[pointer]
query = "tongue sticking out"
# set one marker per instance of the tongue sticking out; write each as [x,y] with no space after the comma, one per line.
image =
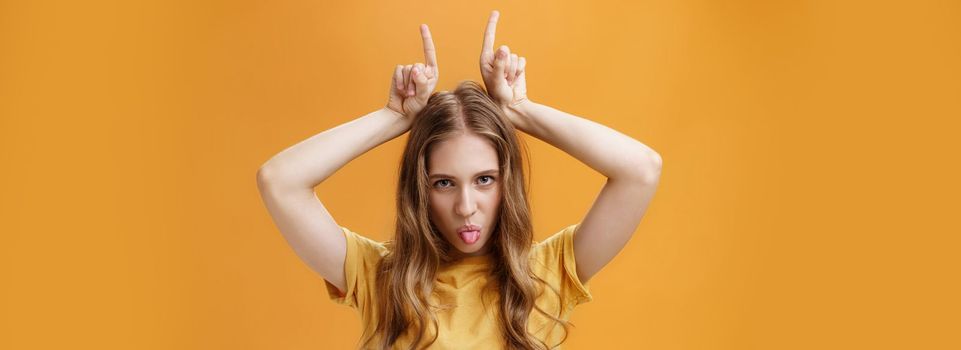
[470,237]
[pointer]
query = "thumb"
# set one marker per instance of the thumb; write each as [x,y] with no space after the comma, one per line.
[398,79]
[501,63]
[420,81]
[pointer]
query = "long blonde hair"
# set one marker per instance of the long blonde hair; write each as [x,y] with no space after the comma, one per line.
[405,276]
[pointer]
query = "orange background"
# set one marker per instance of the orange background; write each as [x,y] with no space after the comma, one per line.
[807,200]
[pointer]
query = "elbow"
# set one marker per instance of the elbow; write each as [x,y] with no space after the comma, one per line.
[643,169]
[650,168]
[264,176]
[271,178]
[656,162]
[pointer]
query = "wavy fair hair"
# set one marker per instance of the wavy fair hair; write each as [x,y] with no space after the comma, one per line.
[405,276]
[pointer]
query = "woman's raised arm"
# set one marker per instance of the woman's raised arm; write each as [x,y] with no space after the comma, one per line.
[632,168]
[286,181]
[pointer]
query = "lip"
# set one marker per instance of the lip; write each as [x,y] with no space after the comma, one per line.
[468,228]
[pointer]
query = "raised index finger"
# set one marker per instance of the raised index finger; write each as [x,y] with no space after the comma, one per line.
[429,53]
[489,33]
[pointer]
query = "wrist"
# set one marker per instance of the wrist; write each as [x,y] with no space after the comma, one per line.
[393,112]
[399,118]
[517,111]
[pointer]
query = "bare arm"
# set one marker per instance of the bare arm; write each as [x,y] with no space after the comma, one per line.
[305,165]
[611,153]
[286,181]
[632,169]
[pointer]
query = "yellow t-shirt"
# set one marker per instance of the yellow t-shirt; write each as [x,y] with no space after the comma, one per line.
[473,321]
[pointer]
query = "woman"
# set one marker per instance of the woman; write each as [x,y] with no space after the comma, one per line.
[462,270]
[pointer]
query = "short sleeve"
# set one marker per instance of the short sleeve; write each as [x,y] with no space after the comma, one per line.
[557,256]
[360,264]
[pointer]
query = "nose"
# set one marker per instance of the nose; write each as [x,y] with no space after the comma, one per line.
[465,205]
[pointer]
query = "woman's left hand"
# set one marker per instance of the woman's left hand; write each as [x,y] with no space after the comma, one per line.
[503,71]
[412,84]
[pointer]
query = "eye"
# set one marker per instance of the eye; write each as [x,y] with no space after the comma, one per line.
[491,177]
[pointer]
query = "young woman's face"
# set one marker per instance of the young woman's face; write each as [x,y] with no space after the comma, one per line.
[465,190]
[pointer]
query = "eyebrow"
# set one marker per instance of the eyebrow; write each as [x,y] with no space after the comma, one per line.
[489,171]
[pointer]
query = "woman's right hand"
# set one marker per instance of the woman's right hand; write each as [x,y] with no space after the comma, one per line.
[503,72]
[411,86]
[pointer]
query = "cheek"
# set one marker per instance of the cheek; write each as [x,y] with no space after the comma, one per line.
[436,204]
[495,200]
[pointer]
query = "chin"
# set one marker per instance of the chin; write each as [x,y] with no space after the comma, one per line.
[470,249]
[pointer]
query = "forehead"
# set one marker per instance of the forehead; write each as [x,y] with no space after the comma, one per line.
[462,155]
